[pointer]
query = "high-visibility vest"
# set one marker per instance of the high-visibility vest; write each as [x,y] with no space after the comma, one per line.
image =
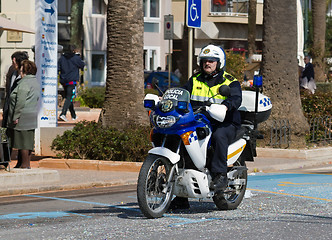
[202,92]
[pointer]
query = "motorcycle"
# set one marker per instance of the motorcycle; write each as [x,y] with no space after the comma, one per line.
[178,163]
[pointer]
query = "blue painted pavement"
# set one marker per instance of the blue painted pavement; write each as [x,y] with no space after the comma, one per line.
[315,186]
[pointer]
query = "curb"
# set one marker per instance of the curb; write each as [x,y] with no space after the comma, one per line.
[306,154]
[90,165]
[20,177]
[284,164]
[268,159]
[52,188]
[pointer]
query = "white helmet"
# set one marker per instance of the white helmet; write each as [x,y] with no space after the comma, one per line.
[212,52]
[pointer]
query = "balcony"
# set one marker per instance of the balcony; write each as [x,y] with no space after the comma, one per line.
[227,8]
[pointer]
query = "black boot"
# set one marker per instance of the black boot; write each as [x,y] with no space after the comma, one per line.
[179,203]
[220,181]
[19,160]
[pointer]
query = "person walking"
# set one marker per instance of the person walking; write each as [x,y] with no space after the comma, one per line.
[69,65]
[308,76]
[23,113]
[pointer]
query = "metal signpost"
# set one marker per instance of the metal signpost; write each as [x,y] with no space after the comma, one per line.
[193,20]
[168,35]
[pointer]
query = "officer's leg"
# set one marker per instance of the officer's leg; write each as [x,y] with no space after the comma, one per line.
[221,138]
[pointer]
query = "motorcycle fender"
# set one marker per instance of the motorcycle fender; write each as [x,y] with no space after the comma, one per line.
[165,152]
[235,150]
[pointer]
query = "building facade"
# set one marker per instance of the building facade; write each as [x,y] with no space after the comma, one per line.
[94,34]
[224,22]
[21,12]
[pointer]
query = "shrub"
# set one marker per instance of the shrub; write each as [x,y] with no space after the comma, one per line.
[89,140]
[235,65]
[93,97]
[316,105]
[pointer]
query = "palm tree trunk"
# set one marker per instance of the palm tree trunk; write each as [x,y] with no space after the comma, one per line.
[280,68]
[319,30]
[76,27]
[125,77]
[252,28]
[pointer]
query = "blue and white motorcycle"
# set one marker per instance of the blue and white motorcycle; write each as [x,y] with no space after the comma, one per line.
[177,165]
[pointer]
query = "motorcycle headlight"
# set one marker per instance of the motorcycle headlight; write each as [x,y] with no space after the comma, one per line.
[165,122]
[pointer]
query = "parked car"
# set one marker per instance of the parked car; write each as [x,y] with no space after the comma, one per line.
[159,80]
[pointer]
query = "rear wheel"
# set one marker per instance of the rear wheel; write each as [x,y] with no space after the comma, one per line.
[231,198]
[155,186]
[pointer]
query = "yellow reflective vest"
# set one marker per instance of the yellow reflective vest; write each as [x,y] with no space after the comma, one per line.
[202,92]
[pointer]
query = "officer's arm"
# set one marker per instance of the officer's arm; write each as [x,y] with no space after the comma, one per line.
[189,85]
[235,99]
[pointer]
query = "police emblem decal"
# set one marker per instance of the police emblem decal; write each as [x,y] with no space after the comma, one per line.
[206,51]
[167,106]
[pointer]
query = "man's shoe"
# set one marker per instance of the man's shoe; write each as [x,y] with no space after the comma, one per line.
[179,203]
[63,118]
[220,182]
[74,118]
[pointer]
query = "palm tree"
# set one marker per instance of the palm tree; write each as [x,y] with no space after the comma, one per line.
[125,77]
[280,68]
[319,30]
[76,23]
[252,28]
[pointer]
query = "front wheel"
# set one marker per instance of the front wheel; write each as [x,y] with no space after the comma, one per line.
[231,198]
[155,186]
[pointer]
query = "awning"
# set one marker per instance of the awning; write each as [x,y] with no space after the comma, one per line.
[6,24]
[220,31]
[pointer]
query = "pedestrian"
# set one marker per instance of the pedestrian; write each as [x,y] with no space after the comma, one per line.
[23,112]
[69,65]
[12,78]
[204,87]
[308,76]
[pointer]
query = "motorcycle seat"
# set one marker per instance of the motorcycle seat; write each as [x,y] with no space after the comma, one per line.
[239,134]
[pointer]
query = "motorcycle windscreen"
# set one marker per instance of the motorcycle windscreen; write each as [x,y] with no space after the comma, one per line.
[177,96]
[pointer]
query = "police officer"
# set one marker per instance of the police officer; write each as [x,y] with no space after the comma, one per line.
[223,113]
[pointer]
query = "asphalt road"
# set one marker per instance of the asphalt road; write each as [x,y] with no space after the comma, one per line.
[277,206]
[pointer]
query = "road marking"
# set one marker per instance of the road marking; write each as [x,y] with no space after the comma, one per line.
[34,215]
[86,202]
[184,220]
[289,194]
[283,184]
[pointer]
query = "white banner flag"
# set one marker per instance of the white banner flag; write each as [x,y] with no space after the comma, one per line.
[46,49]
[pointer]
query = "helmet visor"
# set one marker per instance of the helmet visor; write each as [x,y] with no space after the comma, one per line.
[213,59]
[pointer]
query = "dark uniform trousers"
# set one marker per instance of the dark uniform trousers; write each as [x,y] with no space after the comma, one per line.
[222,137]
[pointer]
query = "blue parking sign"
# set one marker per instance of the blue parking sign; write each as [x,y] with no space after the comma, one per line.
[194,13]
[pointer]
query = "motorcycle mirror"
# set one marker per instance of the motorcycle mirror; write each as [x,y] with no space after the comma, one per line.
[225,90]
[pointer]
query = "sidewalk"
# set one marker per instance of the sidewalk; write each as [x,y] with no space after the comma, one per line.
[66,174]
[49,174]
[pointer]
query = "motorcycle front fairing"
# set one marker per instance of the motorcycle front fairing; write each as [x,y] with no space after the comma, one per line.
[168,119]
[185,127]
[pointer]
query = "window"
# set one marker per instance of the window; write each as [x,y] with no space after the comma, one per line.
[151,58]
[154,8]
[151,8]
[151,27]
[98,69]
[98,7]
[229,7]
[64,8]
[151,15]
